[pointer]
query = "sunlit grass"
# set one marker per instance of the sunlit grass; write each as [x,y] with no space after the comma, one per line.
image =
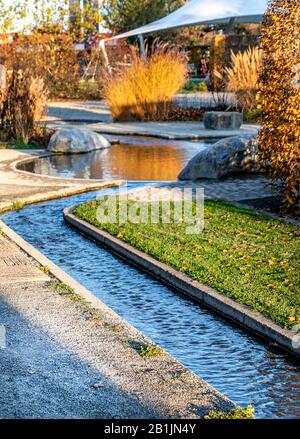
[145,90]
[244,255]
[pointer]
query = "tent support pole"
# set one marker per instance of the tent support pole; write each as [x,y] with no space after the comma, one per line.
[142,45]
[230,25]
[105,56]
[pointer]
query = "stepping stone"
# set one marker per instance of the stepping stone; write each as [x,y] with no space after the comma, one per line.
[223,120]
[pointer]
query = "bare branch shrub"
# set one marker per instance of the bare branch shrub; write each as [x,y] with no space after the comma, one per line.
[51,57]
[24,105]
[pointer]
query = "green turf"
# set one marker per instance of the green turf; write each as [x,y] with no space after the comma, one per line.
[20,145]
[246,256]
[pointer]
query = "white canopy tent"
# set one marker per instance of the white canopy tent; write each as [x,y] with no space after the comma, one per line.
[201,12]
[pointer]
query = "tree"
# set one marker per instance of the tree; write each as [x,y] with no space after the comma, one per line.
[43,46]
[51,57]
[50,16]
[279,96]
[11,14]
[79,19]
[125,15]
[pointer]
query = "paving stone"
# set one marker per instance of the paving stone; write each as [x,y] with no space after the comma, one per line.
[16,267]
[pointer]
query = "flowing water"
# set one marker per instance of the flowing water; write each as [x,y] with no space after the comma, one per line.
[238,364]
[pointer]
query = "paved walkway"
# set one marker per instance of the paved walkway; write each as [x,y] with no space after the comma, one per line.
[98,110]
[99,119]
[92,111]
[234,189]
[163,130]
[204,99]
[64,360]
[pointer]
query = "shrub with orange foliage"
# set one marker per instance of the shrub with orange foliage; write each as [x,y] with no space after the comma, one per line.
[49,56]
[144,91]
[279,97]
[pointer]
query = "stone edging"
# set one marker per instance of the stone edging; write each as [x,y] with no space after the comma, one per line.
[208,134]
[240,314]
[66,191]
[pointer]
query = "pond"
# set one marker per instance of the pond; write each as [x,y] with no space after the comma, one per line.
[134,159]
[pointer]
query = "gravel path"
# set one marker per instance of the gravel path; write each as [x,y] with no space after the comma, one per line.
[65,360]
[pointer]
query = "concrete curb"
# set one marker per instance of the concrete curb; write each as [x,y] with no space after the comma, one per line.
[57,194]
[109,128]
[240,314]
[210,134]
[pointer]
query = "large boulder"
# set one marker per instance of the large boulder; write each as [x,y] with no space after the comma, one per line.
[233,155]
[76,141]
[223,120]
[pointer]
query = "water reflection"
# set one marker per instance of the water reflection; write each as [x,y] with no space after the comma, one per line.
[133,159]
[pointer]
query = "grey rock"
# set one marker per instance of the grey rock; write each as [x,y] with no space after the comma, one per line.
[229,156]
[223,120]
[76,141]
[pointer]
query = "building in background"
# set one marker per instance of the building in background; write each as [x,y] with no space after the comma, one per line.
[84,19]
[91,21]
[91,8]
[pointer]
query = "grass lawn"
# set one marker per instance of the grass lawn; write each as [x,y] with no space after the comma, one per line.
[194,87]
[244,255]
[39,140]
[12,145]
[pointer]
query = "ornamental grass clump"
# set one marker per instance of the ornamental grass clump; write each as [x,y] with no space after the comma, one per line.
[24,105]
[279,97]
[243,76]
[145,90]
